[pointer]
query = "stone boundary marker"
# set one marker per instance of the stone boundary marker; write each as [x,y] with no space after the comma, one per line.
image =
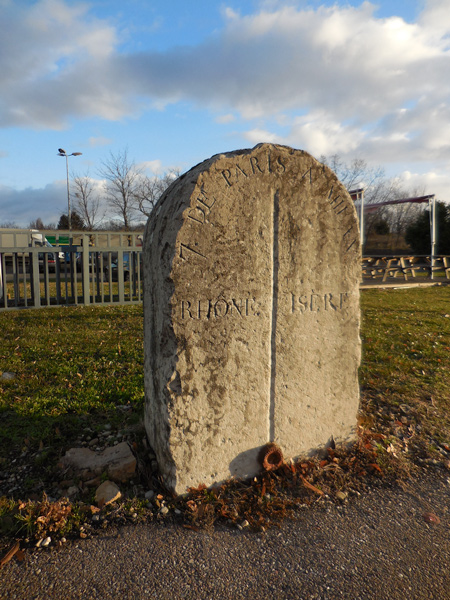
[251,314]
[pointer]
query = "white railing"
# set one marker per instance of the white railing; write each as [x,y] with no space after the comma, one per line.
[106,268]
[78,268]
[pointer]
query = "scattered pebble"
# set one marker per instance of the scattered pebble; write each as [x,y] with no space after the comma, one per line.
[7,376]
[107,493]
[73,491]
[342,496]
[429,517]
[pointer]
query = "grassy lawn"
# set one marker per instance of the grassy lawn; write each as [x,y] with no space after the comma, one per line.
[405,388]
[79,364]
[72,366]
[76,368]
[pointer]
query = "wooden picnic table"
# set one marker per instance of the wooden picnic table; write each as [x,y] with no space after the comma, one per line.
[403,266]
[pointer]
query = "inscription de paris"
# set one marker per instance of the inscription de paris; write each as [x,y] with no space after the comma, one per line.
[251,314]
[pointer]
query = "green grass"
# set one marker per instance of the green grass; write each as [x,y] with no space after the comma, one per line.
[77,364]
[75,367]
[71,365]
[406,362]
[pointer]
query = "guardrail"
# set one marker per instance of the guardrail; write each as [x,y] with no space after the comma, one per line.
[385,267]
[92,268]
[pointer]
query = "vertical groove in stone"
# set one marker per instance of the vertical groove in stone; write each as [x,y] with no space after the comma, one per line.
[274,314]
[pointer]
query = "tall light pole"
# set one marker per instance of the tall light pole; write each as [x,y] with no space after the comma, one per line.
[62,152]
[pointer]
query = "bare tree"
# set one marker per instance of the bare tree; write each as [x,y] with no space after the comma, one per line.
[9,225]
[37,224]
[377,189]
[401,216]
[121,182]
[355,174]
[87,200]
[150,188]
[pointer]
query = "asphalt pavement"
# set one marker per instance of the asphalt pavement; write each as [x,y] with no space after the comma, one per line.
[389,543]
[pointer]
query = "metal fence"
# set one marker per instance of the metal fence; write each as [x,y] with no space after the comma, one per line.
[57,268]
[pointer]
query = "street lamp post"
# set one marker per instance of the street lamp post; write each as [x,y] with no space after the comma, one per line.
[62,152]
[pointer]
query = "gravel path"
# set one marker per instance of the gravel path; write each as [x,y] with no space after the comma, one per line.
[378,546]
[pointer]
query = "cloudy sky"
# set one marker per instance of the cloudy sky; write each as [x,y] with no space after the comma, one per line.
[176,81]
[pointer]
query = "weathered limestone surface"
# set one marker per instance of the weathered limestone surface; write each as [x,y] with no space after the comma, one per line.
[251,314]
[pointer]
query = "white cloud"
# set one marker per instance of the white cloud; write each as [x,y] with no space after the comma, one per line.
[224,119]
[27,205]
[48,203]
[337,78]
[434,182]
[44,49]
[436,18]
[318,133]
[259,136]
[95,142]
[151,166]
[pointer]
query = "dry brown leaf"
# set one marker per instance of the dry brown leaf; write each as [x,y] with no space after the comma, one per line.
[311,487]
[20,555]
[263,488]
[8,556]
[192,505]
[376,467]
